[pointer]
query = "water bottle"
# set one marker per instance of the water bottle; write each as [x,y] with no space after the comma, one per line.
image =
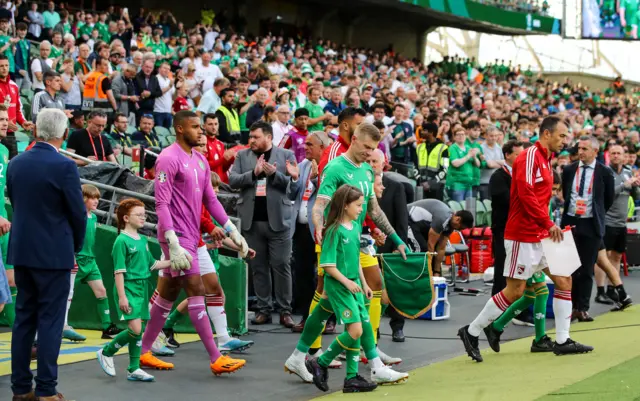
[366,245]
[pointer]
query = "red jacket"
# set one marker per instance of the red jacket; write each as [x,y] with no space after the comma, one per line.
[10,94]
[215,157]
[336,149]
[206,224]
[531,187]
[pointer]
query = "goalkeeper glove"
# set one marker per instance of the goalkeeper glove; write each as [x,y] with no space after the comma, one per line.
[179,257]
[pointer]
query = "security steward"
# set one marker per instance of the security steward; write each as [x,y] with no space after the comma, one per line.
[229,129]
[433,162]
[97,95]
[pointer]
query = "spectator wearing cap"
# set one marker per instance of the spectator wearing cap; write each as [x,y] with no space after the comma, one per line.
[211,99]
[229,130]
[281,126]
[147,89]
[49,98]
[298,134]
[335,105]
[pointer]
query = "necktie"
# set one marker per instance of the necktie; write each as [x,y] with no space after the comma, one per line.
[582,180]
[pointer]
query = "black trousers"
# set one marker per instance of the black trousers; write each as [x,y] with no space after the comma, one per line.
[499,256]
[587,244]
[397,320]
[40,307]
[304,269]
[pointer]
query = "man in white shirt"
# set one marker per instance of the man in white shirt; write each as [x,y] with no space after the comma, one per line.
[493,156]
[162,107]
[206,72]
[281,126]
[41,65]
[211,101]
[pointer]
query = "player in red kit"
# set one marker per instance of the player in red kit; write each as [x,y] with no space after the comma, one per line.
[527,224]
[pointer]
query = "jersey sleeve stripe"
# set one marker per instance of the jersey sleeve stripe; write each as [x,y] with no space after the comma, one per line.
[120,271]
[334,150]
[327,197]
[325,265]
[531,157]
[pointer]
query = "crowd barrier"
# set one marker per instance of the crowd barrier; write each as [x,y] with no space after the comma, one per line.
[83,314]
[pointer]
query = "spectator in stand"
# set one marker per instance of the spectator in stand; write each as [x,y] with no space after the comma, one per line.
[181,103]
[91,142]
[229,122]
[462,159]
[119,138]
[124,92]
[265,174]
[433,162]
[298,134]
[76,121]
[23,49]
[474,142]
[50,17]
[258,108]
[269,115]
[146,135]
[82,66]
[211,99]
[317,116]
[98,95]
[36,22]
[206,73]
[124,32]
[304,254]
[41,65]
[281,126]
[50,97]
[162,107]
[493,157]
[10,92]
[335,106]
[403,140]
[147,90]
[72,87]
[220,160]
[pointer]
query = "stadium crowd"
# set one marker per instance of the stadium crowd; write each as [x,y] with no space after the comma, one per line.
[445,127]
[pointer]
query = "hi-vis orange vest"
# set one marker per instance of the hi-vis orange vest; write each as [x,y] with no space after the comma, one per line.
[94,97]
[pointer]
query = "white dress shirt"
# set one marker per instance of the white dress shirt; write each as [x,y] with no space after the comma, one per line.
[587,195]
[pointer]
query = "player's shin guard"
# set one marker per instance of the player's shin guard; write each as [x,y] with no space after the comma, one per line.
[117,343]
[199,318]
[375,311]
[562,309]
[158,315]
[104,313]
[215,309]
[492,309]
[314,325]
[540,311]
[515,309]
[317,341]
[353,358]
[135,347]
[344,342]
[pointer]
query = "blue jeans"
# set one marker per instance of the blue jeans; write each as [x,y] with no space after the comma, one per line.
[163,120]
[459,195]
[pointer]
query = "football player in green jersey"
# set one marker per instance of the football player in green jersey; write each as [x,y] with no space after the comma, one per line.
[9,310]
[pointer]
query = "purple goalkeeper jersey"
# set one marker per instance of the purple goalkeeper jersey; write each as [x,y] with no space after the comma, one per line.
[182,187]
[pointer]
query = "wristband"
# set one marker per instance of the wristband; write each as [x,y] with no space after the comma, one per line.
[395,238]
[229,226]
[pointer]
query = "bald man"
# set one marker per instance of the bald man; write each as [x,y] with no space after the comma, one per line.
[393,203]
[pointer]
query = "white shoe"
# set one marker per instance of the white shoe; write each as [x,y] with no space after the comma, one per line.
[106,363]
[386,375]
[160,349]
[518,322]
[335,364]
[297,367]
[388,360]
[342,356]
[140,375]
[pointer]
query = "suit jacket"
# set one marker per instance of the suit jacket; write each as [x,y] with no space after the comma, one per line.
[49,216]
[153,87]
[296,196]
[603,193]
[394,205]
[279,205]
[122,87]
[500,195]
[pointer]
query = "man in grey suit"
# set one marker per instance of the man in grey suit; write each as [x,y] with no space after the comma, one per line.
[304,253]
[125,92]
[264,174]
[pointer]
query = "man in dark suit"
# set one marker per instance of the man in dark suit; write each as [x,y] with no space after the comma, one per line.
[42,247]
[393,203]
[588,191]
[500,194]
[265,174]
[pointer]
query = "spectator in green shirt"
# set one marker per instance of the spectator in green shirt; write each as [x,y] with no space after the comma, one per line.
[474,142]
[51,17]
[85,30]
[103,27]
[316,114]
[56,45]
[6,44]
[463,160]
[64,27]
[158,47]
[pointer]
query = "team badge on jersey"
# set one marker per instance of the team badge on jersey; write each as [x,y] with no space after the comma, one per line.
[346,314]
[201,164]
[162,176]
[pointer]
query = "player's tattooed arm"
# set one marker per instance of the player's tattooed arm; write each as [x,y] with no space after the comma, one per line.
[317,214]
[378,216]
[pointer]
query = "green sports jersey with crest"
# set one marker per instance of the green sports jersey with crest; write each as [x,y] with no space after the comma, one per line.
[341,249]
[4,162]
[89,236]
[132,257]
[340,171]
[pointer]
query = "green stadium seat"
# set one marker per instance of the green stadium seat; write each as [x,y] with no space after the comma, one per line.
[131,129]
[171,139]
[162,131]
[22,136]
[455,205]
[488,208]
[481,213]
[22,146]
